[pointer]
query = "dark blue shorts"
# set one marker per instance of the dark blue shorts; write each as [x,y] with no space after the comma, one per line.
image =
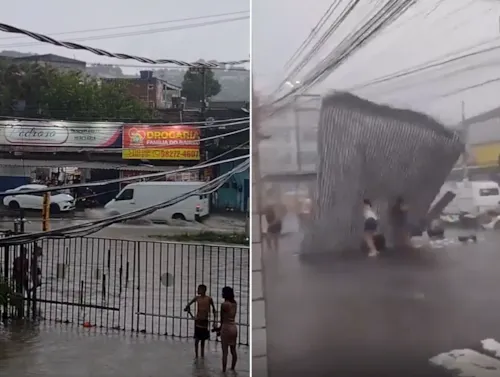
[371,225]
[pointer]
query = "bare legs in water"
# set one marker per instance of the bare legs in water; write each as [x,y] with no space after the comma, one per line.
[234,356]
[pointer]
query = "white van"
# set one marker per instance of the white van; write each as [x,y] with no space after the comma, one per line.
[145,194]
[472,197]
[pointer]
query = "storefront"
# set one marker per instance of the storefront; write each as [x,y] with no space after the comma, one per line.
[68,151]
[154,143]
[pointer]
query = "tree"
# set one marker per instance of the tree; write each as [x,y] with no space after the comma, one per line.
[32,90]
[199,83]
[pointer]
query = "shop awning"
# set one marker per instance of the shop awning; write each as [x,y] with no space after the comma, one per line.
[83,165]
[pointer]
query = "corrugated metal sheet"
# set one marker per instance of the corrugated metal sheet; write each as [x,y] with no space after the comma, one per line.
[82,164]
[378,153]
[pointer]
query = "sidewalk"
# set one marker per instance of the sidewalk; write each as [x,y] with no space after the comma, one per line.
[69,352]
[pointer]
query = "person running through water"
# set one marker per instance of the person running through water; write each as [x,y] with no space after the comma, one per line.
[202,318]
[370,227]
[274,226]
[228,329]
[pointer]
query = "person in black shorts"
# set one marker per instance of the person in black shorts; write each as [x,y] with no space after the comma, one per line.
[370,227]
[399,218]
[274,226]
[202,318]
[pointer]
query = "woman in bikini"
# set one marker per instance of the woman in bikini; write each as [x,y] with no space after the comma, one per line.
[228,329]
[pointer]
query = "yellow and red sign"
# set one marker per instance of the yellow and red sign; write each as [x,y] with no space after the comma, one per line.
[158,142]
[485,155]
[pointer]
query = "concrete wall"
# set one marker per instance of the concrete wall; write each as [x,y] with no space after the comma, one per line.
[14,176]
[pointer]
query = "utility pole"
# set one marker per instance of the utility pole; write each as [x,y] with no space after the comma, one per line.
[46,212]
[203,110]
[465,156]
[297,133]
[20,289]
[204,91]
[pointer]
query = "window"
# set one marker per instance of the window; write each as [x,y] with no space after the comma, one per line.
[203,197]
[127,194]
[493,191]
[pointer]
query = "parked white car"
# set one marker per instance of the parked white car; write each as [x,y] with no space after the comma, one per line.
[59,201]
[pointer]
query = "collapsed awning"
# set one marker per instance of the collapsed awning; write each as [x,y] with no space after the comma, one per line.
[26,163]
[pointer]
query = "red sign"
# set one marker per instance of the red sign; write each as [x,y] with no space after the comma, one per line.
[161,142]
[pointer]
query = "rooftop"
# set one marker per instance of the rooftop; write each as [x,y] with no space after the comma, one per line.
[49,58]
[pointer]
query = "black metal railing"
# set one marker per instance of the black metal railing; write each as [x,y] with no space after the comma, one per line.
[123,285]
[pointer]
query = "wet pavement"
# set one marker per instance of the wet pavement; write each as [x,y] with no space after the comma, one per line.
[62,352]
[355,317]
[134,229]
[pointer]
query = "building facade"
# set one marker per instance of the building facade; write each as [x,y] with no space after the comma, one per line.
[152,91]
[292,143]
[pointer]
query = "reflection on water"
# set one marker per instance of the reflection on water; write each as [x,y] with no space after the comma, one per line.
[31,350]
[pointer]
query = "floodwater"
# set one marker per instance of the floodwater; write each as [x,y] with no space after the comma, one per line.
[136,285]
[387,316]
[61,351]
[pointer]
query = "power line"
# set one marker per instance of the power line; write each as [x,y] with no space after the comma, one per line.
[148,24]
[441,77]
[410,23]
[91,64]
[198,125]
[138,32]
[238,147]
[319,25]
[323,39]
[390,11]
[433,63]
[90,227]
[97,51]
[126,179]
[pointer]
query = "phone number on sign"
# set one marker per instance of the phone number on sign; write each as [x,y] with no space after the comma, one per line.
[162,154]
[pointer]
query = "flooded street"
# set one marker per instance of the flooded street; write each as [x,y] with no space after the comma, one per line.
[131,291]
[60,351]
[124,280]
[427,313]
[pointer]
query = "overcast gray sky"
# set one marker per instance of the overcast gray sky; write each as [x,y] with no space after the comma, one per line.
[424,33]
[227,41]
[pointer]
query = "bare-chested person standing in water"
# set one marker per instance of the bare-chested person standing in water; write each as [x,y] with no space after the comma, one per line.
[202,318]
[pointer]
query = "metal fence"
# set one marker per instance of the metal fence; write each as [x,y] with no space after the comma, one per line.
[124,285]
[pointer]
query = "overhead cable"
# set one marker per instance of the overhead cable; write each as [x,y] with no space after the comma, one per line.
[386,15]
[13,121]
[236,148]
[97,51]
[433,63]
[148,24]
[125,179]
[319,25]
[93,226]
[320,43]
[137,32]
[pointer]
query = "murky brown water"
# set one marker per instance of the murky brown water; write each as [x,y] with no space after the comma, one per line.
[63,351]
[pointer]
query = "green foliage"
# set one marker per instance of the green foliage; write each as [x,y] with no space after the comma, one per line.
[51,93]
[201,237]
[198,85]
